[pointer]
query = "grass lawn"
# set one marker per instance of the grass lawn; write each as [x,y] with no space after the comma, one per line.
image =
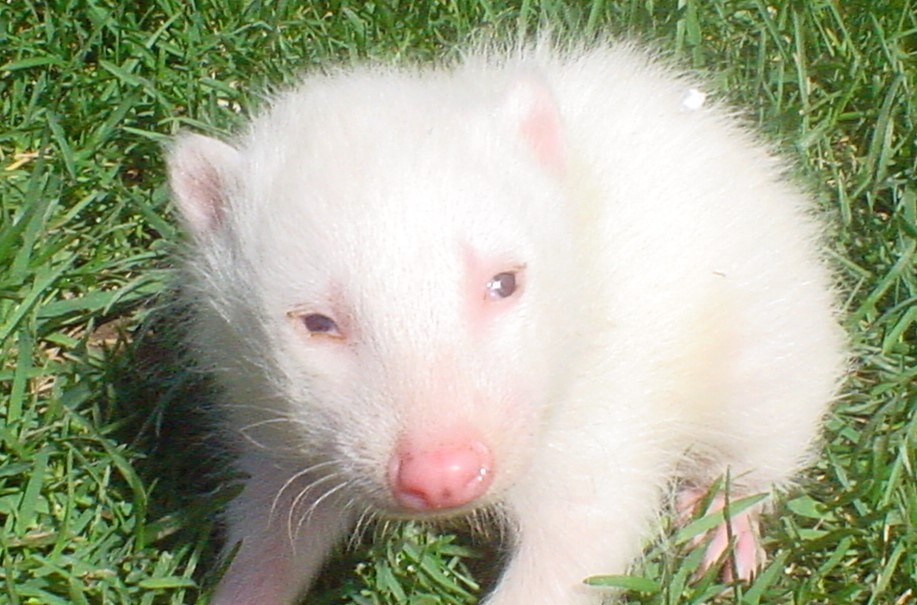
[108,484]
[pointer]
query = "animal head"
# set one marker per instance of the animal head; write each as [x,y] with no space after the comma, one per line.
[384,280]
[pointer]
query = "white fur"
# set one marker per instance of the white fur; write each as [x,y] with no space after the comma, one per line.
[675,315]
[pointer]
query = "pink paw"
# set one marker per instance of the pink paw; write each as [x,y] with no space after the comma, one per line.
[737,535]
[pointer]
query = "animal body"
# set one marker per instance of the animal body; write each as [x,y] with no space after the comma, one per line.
[545,283]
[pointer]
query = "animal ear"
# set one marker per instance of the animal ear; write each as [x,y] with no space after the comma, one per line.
[200,174]
[530,105]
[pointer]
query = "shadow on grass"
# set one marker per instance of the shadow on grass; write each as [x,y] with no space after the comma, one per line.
[163,413]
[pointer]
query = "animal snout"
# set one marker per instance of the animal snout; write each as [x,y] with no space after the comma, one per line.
[445,476]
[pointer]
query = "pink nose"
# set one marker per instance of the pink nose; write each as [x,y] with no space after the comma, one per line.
[442,478]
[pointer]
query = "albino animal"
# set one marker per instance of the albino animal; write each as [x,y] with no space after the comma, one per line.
[546,284]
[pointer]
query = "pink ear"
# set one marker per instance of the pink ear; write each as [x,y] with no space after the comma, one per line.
[200,170]
[533,108]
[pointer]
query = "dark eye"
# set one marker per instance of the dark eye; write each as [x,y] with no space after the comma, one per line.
[318,324]
[501,285]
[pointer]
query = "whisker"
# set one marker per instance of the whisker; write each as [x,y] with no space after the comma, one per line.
[291,534]
[362,526]
[311,510]
[293,478]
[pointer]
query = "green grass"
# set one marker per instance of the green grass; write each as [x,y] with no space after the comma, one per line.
[100,500]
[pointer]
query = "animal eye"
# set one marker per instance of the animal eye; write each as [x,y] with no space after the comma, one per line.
[318,324]
[502,285]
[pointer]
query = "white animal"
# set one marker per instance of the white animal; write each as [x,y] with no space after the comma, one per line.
[543,282]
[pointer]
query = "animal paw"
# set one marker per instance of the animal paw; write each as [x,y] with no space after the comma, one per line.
[733,544]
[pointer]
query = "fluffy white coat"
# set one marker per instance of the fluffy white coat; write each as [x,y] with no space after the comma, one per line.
[671,315]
